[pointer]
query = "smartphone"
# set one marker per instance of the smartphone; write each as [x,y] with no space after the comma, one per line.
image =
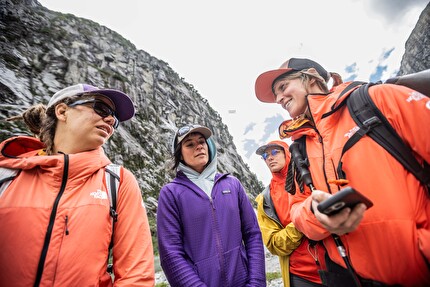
[347,197]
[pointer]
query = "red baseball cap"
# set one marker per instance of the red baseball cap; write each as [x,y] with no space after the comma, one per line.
[264,82]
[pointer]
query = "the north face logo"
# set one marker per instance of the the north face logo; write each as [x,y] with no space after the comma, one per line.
[99,194]
[351,132]
[415,96]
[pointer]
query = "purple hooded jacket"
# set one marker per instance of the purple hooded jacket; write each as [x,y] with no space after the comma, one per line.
[214,242]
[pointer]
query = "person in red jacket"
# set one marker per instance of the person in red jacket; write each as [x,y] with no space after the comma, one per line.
[55,219]
[388,244]
[296,254]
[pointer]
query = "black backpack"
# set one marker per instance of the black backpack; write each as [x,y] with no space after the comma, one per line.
[373,123]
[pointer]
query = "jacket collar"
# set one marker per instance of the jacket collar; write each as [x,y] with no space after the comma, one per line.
[324,106]
[25,153]
[320,107]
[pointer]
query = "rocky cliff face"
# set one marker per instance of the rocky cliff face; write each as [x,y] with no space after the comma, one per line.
[42,51]
[417,47]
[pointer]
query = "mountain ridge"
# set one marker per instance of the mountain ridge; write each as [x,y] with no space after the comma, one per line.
[42,51]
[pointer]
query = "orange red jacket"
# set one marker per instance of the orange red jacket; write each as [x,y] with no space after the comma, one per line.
[77,250]
[392,243]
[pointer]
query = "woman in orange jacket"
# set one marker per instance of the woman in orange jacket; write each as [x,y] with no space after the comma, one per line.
[388,244]
[296,254]
[55,218]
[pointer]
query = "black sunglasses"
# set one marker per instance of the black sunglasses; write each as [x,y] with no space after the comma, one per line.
[273,152]
[100,107]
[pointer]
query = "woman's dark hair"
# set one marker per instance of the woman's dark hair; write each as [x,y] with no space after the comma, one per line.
[177,156]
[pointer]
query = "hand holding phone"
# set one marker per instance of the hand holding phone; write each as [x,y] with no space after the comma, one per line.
[347,197]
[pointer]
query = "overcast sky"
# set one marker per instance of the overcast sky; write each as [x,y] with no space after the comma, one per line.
[220,47]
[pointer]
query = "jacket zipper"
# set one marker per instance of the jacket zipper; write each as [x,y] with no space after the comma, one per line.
[218,242]
[324,159]
[320,140]
[51,222]
[67,225]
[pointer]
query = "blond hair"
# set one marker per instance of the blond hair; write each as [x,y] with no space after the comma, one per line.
[306,76]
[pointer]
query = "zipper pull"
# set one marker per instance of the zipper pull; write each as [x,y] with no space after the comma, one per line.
[314,253]
[67,228]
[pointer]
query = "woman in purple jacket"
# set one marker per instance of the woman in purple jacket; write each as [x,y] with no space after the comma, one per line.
[208,233]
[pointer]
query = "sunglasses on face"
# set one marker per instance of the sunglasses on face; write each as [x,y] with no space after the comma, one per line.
[100,108]
[273,152]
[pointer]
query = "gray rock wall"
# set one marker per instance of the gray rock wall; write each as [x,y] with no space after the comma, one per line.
[42,51]
[417,47]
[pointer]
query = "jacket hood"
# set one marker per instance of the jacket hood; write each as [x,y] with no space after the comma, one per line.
[17,146]
[26,153]
[211,149]
[287,129]
[283,172]
[277,188]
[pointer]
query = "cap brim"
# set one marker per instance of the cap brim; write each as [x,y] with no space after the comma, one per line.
[203,130]
[124,108]
[263,85]
[263,148]
[207,133]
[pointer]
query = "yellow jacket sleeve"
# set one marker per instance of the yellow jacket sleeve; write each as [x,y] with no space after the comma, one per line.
[279,240]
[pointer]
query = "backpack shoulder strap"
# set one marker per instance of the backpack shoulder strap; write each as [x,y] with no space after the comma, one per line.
[6,177]
[112,180]
[373,123]
[298,167]
[336,106]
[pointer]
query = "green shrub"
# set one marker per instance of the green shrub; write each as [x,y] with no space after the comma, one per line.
[273,275]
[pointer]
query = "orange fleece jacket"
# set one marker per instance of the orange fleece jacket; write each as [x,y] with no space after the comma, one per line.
[81,232]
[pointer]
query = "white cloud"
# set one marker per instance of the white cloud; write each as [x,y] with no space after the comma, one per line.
[220,47]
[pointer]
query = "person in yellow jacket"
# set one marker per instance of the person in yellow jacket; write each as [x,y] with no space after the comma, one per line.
[55,219]
[298,265]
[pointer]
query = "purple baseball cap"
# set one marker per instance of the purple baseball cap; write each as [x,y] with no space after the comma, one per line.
[124,108]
